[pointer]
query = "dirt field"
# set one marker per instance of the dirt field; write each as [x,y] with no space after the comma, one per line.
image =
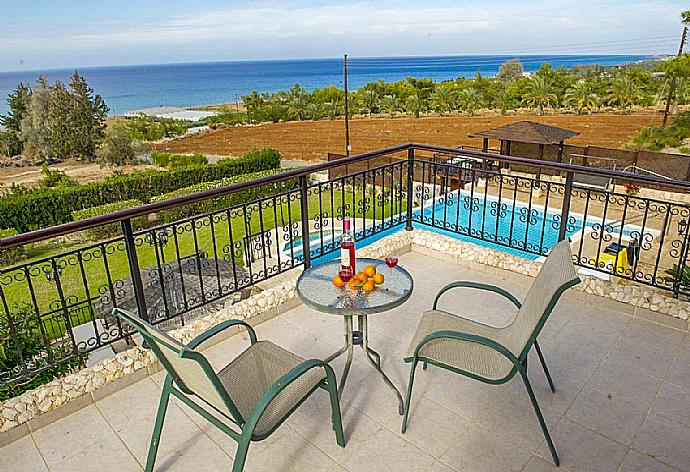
[81,172]
[312,140]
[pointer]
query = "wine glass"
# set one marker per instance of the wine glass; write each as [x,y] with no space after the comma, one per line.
[391,262]
[345,274]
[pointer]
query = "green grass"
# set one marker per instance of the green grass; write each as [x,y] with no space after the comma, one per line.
[80,285]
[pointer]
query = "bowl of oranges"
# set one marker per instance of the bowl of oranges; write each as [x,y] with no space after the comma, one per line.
[367,280]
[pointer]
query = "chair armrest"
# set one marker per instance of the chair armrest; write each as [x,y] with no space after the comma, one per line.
[478,286]
[472,338]
[281,384]
[194,343]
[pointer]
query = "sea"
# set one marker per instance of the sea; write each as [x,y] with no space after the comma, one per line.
[127,88]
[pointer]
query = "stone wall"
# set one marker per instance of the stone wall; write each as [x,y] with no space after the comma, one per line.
[35,408]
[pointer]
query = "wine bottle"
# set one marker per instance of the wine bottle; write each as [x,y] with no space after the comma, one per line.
[347,247]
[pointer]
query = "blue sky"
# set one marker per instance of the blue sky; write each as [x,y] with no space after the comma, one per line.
[40,34]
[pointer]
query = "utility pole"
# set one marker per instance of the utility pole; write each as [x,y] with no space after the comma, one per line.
[237,103]
[672,85]
[347,114]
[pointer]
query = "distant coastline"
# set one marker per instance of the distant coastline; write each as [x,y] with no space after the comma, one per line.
[127,88]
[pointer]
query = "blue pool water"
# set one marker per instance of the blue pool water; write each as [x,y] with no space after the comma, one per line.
[510,227]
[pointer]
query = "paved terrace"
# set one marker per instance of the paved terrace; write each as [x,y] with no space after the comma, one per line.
[622,401]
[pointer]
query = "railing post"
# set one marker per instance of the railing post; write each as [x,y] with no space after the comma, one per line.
[565,209]
[304,205]
[134,269]
[410,185]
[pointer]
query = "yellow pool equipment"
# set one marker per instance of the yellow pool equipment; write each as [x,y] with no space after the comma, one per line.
[615,258]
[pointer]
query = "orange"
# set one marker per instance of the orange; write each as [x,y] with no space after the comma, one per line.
[361,277]
[378,278]
[353,284]
[369,286]
[370,270]
[338,282]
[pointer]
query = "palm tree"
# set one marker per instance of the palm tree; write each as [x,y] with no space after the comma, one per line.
[333,109]
[297,105]
[580,96]
[390,104]
[443,100]
[369,100]
[415,104]
[505,100]
[315,111]
[623,92]
[539,94]
[470,99]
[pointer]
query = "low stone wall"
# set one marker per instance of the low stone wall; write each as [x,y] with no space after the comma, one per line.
[59,397]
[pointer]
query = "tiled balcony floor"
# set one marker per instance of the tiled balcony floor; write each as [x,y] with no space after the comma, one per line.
[622,401]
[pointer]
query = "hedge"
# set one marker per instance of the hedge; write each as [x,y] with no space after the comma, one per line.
[113,229]
[176,161]
[10,256]
[214,204]
[47,207]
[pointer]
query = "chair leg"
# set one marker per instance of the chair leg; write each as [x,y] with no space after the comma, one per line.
[408,396]
[336,418]
[542,423]
[241,454]
[158,426]
[543,364]
[424,365]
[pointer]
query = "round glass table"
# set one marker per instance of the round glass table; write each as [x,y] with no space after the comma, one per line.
[316,290]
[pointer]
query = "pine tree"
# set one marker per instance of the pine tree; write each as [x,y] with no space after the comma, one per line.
[63,133]
[87,117]
[18,103]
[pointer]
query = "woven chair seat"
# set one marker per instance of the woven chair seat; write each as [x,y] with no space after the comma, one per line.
[254,371]
[464,355]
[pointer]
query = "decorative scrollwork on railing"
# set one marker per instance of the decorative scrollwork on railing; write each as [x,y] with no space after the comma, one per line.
[498,210]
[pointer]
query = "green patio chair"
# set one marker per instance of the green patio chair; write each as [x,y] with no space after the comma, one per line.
[490,354]
[257,391]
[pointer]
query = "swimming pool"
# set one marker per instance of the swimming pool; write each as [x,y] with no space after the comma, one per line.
[505,225]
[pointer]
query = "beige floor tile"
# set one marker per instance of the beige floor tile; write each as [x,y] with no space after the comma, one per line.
[22,456]
[666,441]
[607,415]
[645,355]
[481,450]
[199,454]
[514,419]
[680,370]
[134,423]
[464,396]
[387,452]
[582,450]
[638,462]
[673,402]
[568,357]
[537,464]
[292,453]
[73,434]
[104,456]
[639,389]
[556,402]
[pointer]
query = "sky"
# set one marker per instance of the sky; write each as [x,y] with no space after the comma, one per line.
[42,34]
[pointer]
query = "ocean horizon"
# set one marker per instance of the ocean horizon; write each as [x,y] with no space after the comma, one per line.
[127,88]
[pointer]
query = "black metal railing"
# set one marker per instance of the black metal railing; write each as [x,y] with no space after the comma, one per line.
[55,309]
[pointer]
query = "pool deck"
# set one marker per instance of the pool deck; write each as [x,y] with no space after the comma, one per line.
[622,402]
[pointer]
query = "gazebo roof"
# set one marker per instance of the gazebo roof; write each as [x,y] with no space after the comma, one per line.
[527,132]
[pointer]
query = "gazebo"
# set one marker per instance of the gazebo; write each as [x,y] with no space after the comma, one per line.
[526,132]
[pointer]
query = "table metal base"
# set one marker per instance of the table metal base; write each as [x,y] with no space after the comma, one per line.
[360,338]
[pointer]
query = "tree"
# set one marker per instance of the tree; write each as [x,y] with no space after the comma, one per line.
[510,70]
[623,92]
[87,117]
[315,111]
[443,100]
[64,134]
[539,94]
[470,100]
[370,101]
[390,104]
[297,102]
[333,109]
[415,104]
[17,103]
[580,96]
[505,100]
[36,134]
[118,148]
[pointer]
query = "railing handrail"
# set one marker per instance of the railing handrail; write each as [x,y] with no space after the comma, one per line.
[143,210]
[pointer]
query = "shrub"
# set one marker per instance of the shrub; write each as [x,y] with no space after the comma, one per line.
[118,148]
[113,229]
[55,178]
[210,205]
[25,346]
[144,128]
[10,256]
[46,207]
[226,117]
[176,161]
